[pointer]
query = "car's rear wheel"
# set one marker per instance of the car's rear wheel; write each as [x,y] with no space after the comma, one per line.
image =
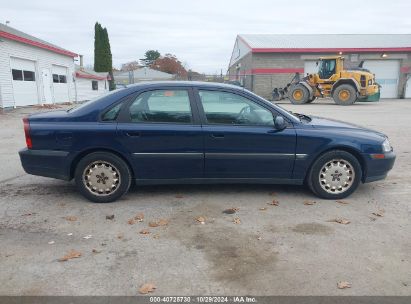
[102,177]
[335,175]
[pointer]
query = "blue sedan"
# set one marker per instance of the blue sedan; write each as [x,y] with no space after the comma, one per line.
[193,132]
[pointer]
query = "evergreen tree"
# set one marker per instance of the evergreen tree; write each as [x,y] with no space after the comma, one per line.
[103,59]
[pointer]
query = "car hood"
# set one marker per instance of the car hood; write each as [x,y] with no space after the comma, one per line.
[327,123]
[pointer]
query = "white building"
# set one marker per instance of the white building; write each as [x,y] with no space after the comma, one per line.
[89,84]
[139,75]
[33,71]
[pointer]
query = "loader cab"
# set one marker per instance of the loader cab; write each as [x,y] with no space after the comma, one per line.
[327,68]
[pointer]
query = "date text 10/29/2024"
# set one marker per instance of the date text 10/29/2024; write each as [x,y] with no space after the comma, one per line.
[204,299]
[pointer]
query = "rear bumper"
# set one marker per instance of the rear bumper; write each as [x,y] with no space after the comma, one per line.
[377,169]
[48,163]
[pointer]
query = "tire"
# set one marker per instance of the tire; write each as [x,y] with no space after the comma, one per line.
[345,95]
[340,164]
[110,172]
[298,94]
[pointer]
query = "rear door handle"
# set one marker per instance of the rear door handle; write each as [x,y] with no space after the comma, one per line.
[133,133]
[217,135]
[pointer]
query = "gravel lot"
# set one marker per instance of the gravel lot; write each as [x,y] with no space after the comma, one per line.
[289,249]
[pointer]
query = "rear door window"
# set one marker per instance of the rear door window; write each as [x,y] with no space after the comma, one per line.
[162,106]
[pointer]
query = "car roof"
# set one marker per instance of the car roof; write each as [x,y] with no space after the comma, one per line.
[184,84]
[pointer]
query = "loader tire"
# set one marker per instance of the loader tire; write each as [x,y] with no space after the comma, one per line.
[298,94]
[345,95]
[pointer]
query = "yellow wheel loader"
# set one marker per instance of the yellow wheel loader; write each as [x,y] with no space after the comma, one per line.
[344,86]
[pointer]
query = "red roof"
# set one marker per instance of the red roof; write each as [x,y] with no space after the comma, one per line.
[16,35]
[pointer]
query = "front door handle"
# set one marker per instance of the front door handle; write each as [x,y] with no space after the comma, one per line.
[217,135]
[133,133]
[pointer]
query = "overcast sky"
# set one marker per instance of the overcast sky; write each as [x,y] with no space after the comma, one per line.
[199,33]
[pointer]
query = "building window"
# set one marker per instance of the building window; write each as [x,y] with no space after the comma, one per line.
[29,76]
[17,74]
[59,78]
[94,85]
[62,78]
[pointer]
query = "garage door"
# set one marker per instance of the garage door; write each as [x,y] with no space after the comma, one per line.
[24,82]
[310,67]
[386,73]
[60,86]
[408,89]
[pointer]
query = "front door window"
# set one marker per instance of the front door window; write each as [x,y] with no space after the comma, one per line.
[232,109]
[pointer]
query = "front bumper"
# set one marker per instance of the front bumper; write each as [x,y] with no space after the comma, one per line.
[377,169]
[48,163]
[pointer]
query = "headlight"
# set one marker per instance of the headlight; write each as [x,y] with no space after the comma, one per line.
[386,146]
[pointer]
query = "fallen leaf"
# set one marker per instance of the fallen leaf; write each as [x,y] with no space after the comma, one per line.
[87,237]
[309,203]
[201,219]
[156,236]
[163,222]
[28,214]
[95,251]
[379,213]
[120,236]
[259,238]
[139,217]
[237,220]
[343,202]
[340,221]
[230,210]
[179,196]
[146,288]
[51,242]
[110,217]
[263,209]
[72,254]
[131,221]
[160,222]
[145,231]
[343,285]
[71,218]
[274,203]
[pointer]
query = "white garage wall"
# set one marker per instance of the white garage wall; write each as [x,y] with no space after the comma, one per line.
[85,91]
[44,60]
[387,73]
[310,67]
[408,88]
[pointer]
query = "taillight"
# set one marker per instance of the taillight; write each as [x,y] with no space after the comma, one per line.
[27,132]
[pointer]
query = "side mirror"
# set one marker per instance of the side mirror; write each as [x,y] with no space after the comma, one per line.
[279,123]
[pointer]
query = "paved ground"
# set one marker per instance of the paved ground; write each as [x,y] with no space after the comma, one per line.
[290,249]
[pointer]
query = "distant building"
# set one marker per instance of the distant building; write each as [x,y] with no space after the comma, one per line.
[262,62]
[33,71]
[139,75]
[89,84]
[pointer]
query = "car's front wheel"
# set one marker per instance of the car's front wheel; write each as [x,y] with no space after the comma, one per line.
[102,177]
[335,175]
